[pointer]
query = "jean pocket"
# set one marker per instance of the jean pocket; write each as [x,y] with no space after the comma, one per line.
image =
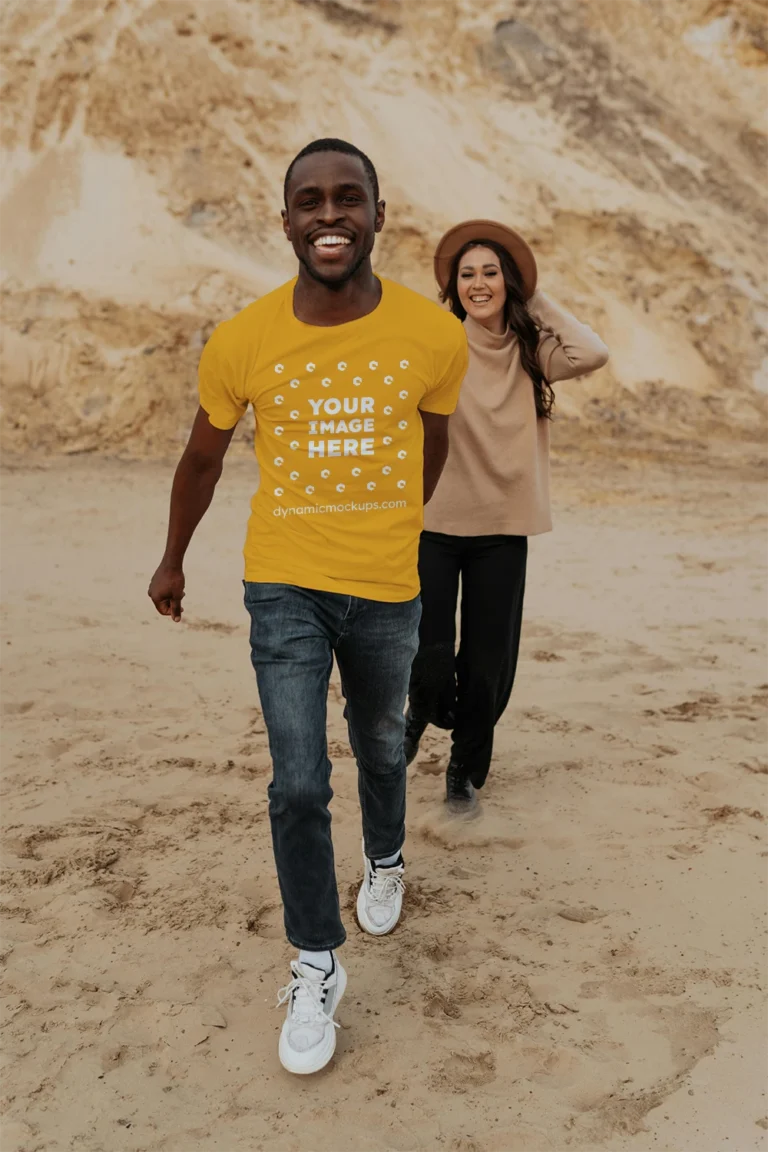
[262,593]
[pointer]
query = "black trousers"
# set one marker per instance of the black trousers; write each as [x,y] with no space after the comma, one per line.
[469,690]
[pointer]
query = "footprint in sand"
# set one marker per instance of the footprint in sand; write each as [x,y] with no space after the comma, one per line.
[439,1003]
[20,709]
[581,915]
[755,764]
[462,1071]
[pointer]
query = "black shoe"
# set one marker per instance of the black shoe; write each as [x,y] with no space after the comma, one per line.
[459,792]
[414,730]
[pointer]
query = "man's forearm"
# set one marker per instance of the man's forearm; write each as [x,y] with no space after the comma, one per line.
[193,486]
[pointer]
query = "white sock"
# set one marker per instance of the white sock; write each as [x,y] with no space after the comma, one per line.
[388,861]
[321,960]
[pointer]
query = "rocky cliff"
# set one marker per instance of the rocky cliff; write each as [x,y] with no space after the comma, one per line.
[145,145]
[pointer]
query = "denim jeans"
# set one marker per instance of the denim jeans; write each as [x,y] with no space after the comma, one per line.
[295,633]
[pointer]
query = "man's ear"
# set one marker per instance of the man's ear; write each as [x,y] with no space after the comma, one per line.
[381,209]
[286,225]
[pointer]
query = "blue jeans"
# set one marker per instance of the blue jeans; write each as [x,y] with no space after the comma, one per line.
[295,633]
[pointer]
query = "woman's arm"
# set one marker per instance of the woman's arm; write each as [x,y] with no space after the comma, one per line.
[567,347]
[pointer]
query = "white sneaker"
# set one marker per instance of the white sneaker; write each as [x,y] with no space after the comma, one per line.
[308,1038]
[380,899]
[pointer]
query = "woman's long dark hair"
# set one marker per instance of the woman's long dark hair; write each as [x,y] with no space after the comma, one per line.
[517,317]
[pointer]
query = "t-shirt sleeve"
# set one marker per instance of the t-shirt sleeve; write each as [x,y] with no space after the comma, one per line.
[219,386]
[451,368]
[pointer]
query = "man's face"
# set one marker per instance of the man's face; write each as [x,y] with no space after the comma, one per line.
[331,218]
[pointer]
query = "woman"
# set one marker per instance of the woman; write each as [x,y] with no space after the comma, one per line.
[494,492]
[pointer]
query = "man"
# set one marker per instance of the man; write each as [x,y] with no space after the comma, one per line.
[352,379]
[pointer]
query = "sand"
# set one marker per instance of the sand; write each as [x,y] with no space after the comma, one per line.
[582,966]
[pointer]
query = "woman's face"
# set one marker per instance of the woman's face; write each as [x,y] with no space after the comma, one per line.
[481,287]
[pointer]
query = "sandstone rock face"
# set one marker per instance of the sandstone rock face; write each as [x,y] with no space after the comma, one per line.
[146,143]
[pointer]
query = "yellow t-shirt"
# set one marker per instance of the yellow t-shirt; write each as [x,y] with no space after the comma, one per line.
[339,439]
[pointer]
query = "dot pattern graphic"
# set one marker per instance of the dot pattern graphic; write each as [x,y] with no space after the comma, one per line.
[348,421]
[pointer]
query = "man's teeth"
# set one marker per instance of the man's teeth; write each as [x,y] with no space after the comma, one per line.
[330,241]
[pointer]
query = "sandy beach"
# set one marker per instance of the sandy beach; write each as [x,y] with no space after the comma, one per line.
[582,966]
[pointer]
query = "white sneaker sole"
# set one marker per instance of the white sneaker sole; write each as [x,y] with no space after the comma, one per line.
[368,925]
[305,1063]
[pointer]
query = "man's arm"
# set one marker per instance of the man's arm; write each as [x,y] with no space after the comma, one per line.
[196,477]
[435,450]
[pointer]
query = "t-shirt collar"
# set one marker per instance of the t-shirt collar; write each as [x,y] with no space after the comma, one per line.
[347,326]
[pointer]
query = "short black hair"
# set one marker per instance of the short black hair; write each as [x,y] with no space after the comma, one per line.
[331,144]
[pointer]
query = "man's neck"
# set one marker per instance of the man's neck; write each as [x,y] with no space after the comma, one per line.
[324,306]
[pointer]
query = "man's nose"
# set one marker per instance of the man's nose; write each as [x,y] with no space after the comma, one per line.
[330,212]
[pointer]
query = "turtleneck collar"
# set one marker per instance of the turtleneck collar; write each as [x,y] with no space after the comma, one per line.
[480,337]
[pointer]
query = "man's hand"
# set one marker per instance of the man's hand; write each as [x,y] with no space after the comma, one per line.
[166,591]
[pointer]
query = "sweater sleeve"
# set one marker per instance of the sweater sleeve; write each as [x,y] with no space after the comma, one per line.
[567,347]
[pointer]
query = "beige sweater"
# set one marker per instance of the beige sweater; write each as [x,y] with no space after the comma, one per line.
[496,479]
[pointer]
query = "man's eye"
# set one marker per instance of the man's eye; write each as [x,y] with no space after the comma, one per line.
[351,200]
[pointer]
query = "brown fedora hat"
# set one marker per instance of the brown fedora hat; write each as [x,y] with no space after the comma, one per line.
[456,237]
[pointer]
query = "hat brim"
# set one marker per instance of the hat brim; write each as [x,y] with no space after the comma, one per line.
[455,239]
